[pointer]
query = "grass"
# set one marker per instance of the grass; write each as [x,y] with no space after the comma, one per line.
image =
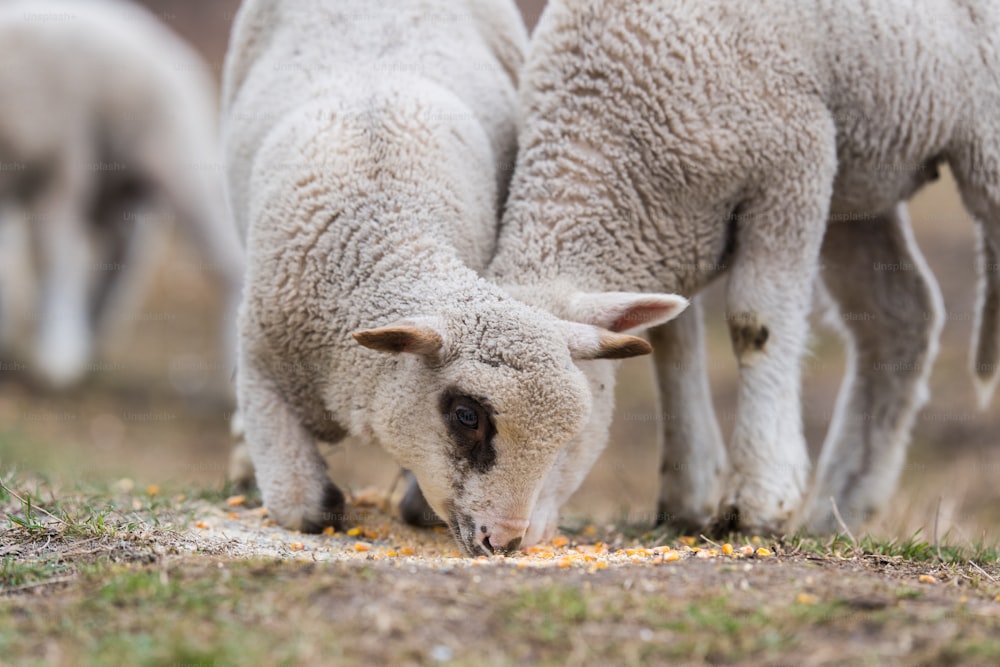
[912,548]
[103,574]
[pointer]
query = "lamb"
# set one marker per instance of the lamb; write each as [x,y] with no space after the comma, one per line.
[666,143]
[107,130]
[365,158]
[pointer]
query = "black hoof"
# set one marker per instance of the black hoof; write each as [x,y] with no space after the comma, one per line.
[333,513]
[726,522]
[678,524]
[413,508]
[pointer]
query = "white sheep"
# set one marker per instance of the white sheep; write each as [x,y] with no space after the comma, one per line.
[107,132]
[366,151]
[664,143]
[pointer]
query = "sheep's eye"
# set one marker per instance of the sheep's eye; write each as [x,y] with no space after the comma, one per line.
[470,426]
[467,417]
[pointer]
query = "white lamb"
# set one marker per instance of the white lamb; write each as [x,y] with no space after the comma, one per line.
[107,130]
[665,142]
[366,150]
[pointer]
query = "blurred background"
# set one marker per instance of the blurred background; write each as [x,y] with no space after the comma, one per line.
[155,407]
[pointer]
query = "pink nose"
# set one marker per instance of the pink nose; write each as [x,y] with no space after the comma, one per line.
[503,536]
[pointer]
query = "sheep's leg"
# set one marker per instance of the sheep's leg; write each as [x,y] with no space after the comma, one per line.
[197,201]
[65,257]
[692,454]
[290,471]
[414,508]
[778,234]
[976,171]
[890,316]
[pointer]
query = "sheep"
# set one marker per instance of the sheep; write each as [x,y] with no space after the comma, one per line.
[664,144]
[107,130]
[365,158]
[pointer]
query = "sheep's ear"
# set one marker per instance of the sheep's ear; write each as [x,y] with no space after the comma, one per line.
[624,312]
[587,342]
[421,336]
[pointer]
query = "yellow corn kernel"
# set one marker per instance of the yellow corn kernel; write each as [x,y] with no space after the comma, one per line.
[927,579]
[806,598]
[296,546]
[362,546]
[354,532]
[406,551]
[727,549]
[152,490]
[235,501]
[560,541]
[763,552]
[329,530]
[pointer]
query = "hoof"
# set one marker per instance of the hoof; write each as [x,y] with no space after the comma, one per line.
[413,508]
[679,523]
[332,513]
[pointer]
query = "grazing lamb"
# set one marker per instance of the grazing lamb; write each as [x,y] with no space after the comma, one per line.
[106,129]
[666,142]
[365,150]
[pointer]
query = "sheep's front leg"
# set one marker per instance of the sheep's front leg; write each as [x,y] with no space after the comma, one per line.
[769,297]
[693,457]
[414,508]
[891,316]
[290,471]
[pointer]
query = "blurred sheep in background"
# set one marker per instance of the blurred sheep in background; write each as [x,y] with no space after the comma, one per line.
[107,137]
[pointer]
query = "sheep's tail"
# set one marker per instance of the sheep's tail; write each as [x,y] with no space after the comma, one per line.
[986,337]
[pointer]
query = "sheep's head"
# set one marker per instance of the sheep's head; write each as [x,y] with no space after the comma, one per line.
[480,404]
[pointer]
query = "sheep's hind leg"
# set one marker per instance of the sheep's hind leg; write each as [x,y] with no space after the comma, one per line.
[290,471]
[769,295]
[977,171]
[692,452]
[890,315]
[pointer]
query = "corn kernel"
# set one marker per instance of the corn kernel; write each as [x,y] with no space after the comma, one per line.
[560,541]
[406,551]
[296,546]
[202,524]
[671,556]
[362,546]
[354,532]
[152,490]
[763,552]
[329,531]
[806,598]
[235,501]
[927,579]
[727,549]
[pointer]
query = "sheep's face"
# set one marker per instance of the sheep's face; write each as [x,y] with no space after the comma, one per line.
[483,405]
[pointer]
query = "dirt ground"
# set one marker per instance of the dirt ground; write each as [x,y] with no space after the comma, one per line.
[155,411]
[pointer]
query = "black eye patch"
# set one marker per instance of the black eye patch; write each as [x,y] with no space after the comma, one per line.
[470,426]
